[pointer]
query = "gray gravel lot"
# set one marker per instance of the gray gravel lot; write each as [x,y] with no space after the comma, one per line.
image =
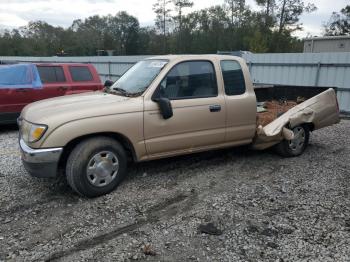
[268,208]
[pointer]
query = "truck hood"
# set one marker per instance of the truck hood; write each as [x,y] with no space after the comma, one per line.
[55,111]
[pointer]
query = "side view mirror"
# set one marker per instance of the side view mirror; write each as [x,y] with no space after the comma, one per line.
[108,83]
[165,107]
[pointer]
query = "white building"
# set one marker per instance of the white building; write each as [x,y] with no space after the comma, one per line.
[327,44]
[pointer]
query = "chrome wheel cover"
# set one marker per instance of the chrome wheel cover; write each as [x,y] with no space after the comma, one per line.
[102,168]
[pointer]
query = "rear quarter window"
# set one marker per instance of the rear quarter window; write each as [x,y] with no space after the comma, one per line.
[80,73]
[233,77]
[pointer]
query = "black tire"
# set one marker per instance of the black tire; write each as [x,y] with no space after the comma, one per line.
[289,148]
[85,154]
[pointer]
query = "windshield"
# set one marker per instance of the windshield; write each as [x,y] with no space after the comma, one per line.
[137,79]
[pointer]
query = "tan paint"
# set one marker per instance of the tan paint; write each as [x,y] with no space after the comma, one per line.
[241,110]
[193,127]
[320,110]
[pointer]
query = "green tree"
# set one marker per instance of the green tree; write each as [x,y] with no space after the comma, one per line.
[233,26]
[179,6]
[257,43]
[268,11]
[238,13]
[45,39]
[237,9]
[280,18]
[339,23]
[89,34]
[284,14]
[163,19]
[123,32]
[212,30]
[289,12]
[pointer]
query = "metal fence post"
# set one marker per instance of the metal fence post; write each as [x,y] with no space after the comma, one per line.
[317,73]
[109,69]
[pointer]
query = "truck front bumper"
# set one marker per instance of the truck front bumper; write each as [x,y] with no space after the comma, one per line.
[40,162]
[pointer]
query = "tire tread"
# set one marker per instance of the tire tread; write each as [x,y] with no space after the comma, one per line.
[283,149]
[75,162]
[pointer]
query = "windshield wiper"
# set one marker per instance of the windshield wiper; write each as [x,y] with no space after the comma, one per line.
[124,92]
[121,90]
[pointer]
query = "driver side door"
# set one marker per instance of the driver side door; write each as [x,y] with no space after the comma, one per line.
[198,119]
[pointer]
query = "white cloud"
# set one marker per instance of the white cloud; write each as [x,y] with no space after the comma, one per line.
[313,23]
[11,20]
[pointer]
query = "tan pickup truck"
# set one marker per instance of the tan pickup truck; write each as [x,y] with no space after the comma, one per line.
[162,107]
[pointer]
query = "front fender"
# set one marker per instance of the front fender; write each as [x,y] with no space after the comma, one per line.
[129,125]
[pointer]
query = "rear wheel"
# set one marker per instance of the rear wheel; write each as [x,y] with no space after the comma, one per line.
[96,166]
[296,146]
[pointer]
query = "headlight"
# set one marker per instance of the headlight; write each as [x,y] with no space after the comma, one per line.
[32,132]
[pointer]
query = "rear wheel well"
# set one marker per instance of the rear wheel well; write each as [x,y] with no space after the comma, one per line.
[124,141]
[310,126]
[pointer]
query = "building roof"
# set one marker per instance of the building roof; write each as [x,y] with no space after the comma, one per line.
[338,37]
[196,57]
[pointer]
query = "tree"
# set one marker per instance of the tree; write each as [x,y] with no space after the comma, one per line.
[280,18]
[179,6]
[257,43]
[123,30]
[339,23]
[211,32]
[233,26]
[289,12]
[237,12]
[89,34]
[284,14]
[236,9]
[46,39]
[163,18]
[269,8]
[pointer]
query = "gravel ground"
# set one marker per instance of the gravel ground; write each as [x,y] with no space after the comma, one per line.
[268,208]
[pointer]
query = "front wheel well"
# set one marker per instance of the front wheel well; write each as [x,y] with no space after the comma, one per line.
[124,141]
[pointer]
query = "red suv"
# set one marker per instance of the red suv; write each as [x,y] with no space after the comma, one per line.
[54,80]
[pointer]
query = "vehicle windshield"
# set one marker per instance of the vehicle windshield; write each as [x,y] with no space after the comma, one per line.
[137,79]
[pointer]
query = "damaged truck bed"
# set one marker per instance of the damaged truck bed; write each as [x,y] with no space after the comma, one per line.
[318,111]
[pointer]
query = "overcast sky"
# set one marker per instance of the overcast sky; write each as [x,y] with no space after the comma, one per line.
[15,13]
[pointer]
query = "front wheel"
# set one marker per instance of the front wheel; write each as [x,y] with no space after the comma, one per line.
[296,146]
[96,166]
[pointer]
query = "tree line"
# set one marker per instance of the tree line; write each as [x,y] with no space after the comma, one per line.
[178,28]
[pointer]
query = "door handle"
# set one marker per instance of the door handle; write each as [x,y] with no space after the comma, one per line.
[62,88]
[215,108]
[21,90]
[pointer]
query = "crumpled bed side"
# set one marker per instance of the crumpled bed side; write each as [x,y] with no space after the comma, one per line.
[320,110]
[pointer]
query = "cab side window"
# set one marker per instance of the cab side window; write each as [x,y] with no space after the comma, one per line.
[233,78]
[193,79]
[80,73]
[51,74]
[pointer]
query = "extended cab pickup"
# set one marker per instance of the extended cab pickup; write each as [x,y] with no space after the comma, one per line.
[161,107]
[55,80]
